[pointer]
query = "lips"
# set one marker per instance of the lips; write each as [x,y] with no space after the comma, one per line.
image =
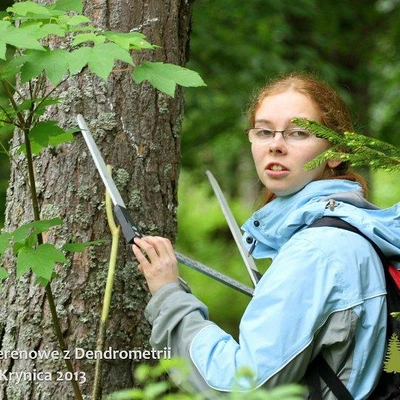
[276,170]
[276,167]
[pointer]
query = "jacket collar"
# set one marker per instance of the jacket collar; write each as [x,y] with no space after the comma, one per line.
[275,223]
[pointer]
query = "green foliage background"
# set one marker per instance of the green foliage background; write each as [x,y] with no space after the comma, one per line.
[236,47]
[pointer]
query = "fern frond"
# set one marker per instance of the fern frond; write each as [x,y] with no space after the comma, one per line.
[358,150]
[333,153]
[320,130]
[357,140]
[367,157]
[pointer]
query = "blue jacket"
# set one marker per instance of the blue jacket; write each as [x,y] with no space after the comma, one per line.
[324,291]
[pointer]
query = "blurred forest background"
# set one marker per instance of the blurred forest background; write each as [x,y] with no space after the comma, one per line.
[237,47]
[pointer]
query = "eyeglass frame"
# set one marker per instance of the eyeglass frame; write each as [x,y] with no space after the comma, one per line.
[275,131]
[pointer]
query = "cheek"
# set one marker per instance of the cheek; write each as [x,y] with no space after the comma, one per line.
[317,172]
[257,154]
[314,151]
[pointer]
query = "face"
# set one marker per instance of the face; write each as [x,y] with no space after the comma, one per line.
[280,165]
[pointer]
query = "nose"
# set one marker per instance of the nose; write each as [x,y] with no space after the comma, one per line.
[278,144]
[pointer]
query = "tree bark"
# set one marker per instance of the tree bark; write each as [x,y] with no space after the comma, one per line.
[137,130]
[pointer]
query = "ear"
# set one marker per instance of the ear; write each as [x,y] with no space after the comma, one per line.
[333,163]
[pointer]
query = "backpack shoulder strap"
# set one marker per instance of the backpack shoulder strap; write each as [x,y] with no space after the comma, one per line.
[319,367]
[336,222]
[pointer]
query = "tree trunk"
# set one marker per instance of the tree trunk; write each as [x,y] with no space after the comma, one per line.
[138,132]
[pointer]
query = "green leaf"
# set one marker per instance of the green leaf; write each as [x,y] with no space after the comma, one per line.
[6,129]
[41,260]
[69,5]
[3,50]
[81,28]
[142,373]
[100,58]
[54,62]
[32,29]
[3,274]
[28,7]
[74,20]
[35,148]
[42,281]
[21,234]
[5,239]
[88,37]
[153,390]
[47,133]
[165,77]
[18,246]
[129,40]
[78,59]
[23,262]
[103,58]
[52,29]
[127,394]
[79,247]
[12,67]
[17,37]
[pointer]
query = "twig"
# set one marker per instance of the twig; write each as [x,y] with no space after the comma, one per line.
[115,233]
[49,294]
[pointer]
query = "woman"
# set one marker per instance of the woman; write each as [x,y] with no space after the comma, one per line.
[325,289]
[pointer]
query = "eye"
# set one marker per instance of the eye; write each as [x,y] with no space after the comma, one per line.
[264,133]
[298,134]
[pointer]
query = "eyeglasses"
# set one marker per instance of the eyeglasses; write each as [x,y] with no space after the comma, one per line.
[264,135]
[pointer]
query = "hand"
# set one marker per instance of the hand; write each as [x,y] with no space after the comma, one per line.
[160,266]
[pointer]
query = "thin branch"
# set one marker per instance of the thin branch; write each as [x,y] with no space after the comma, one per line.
[16,90]
[6,86]
[61,341]
[101,339]
[49,294]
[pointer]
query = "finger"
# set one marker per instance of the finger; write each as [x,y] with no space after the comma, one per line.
[138,253]
[149,247]
[167,246]
[162,246]
[143,262]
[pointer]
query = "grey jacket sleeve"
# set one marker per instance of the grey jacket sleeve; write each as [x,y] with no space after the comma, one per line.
[176,317]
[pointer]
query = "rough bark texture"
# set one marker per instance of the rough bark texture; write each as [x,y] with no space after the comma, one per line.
[137,130]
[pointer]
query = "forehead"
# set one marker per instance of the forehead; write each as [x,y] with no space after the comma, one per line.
[282,107]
